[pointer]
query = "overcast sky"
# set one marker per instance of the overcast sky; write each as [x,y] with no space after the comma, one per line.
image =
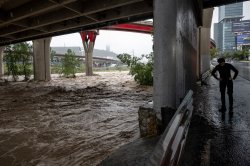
[127,42]
[119,42]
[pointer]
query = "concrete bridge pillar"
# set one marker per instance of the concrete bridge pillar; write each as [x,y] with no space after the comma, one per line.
[164,55]
[41,59]
[204,41]
[88,40]
[175,51]
[1,62]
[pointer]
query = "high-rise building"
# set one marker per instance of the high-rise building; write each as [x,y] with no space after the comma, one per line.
[223,35]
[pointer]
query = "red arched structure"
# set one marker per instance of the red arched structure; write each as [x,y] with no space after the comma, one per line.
[139,27]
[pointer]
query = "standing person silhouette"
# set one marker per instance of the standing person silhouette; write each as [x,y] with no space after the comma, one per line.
[226,81]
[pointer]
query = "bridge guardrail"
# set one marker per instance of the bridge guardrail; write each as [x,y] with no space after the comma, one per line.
[171,145]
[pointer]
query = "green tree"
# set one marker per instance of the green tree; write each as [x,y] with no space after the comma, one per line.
[142,72]
[70,64]
[23,54]
[52,55]
[11,62]
[214,52]
[240,54]
[18,60]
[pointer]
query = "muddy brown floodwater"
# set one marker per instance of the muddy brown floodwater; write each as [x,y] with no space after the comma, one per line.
[76,121]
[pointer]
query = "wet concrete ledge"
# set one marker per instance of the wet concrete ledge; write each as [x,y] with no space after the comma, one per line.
[135,153]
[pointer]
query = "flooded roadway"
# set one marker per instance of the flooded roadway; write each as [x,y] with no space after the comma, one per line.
[68,121]
[217,138]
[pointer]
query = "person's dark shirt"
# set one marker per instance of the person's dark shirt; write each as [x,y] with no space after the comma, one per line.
[225,71]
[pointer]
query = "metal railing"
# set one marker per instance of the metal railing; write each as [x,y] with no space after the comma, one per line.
[171,145]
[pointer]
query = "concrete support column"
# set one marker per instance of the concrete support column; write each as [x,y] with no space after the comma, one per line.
[1,62]
[41,59]
[89,58]
[164,55]
[175,52]
[88,40]
[204,41]
[204,49]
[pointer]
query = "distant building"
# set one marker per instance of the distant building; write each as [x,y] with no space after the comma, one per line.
[223,35]
[241,29]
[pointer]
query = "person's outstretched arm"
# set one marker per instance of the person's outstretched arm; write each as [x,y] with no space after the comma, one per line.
[235,72]
[214,71]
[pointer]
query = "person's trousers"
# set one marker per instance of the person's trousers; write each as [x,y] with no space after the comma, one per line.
[229,85]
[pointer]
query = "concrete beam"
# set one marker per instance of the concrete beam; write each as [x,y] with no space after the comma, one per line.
[1,62]
[76,9]
[30,9]
[41,59]
[125,12]
[210,4]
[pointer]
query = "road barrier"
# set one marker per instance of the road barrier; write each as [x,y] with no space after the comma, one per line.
[171,145]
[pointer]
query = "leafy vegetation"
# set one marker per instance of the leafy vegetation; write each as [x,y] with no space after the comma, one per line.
[236,55]
[70,64]
[52,55]
[240,55]
[18,60]
[142,71]
[214,52]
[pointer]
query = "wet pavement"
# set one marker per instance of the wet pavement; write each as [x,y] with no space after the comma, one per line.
[74,121]
[217,138]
